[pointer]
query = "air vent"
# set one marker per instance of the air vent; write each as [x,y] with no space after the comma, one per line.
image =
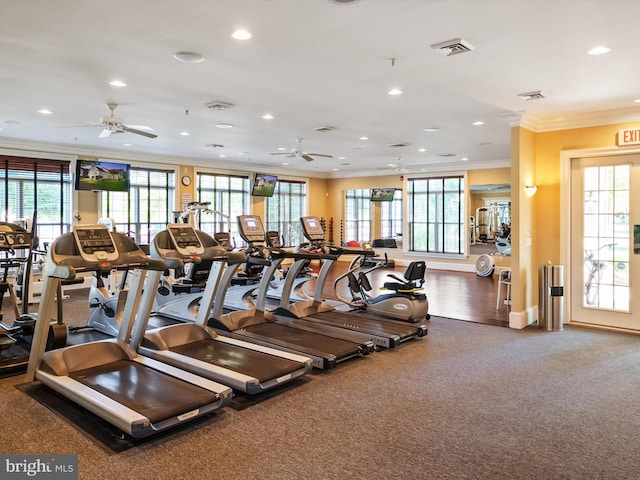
[531,95]
[324,128]
[446,154]
[218,105]
[214,145]
[399,144]
[453,47]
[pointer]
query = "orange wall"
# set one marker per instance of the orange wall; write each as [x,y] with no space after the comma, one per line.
[548,148]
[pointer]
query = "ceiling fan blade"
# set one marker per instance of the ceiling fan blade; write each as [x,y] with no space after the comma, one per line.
[139,132]
[279,153]
[307,157]
[320,155]
[105,133]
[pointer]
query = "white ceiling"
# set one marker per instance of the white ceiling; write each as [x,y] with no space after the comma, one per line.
[312,63]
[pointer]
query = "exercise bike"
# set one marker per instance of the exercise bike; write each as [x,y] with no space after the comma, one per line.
[406,302]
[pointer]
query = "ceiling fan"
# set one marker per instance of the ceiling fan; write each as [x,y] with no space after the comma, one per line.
[398,166]
[297,152]
[113,124]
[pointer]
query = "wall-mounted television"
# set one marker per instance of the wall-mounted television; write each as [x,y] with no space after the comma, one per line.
[264,185]
[94,175]
[382,194]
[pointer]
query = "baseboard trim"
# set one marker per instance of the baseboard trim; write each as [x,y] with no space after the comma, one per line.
[520,320]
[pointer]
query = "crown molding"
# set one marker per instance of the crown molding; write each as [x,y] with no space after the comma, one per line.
[547,123]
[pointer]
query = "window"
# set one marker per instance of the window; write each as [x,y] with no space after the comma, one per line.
[607,235]
[284,210]
[228,195]
[391,216]
[436,214]
[357,224]
[146,208]
[37,185]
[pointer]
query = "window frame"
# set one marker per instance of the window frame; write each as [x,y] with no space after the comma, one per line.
[221,201]
[361,223]
[140,195]
[287,222]
[438,222]
[25,172]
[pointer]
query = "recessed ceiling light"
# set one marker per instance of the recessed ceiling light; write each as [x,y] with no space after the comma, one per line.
[242,153]
[342,158]
[188,57]
[117,83]
[285,163]
[126,144]
[391,164]
[45,111]
[599,50]
[222,155]
[267,116]
[334,169]
[241,34]
[431,129]
[422,149]
[637,100]
[281,148]
[395,91]
[184,134]
[224,125]
[478,123]
[364,138]
[464,159]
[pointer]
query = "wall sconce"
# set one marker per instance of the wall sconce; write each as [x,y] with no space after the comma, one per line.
[530,190]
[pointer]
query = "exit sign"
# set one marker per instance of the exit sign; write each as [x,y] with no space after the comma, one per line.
[629,136]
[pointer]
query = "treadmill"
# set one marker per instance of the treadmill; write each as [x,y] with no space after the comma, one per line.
[193,346]
[138,395]
[325,346]
[383,333]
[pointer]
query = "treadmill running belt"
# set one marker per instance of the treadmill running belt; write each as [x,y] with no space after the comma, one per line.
[259,365]
[338,347]
[364,323]
[154,394]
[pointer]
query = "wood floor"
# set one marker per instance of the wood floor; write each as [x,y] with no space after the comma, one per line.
[457,295]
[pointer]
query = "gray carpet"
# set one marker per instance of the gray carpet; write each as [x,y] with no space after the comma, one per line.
[467,401]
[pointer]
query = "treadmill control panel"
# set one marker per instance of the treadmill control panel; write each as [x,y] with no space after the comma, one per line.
[251,228]
[312,229]
[95,243]
[13,236]
[185,239]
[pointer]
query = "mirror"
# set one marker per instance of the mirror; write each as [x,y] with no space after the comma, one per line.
[490,219]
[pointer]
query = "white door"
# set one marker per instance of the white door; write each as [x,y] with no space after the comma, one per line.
[604,268]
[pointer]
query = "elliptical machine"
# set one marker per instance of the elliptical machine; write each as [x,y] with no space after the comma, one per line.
[406,302]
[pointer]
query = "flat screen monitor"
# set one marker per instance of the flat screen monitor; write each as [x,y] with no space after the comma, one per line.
[95,175]
[382,194]
[264,185]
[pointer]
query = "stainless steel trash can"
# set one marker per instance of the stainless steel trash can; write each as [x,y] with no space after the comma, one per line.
[551,297]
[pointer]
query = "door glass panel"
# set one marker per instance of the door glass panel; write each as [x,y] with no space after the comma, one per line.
[606,237]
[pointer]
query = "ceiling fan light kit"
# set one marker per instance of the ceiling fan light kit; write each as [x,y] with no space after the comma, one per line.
[113,124]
